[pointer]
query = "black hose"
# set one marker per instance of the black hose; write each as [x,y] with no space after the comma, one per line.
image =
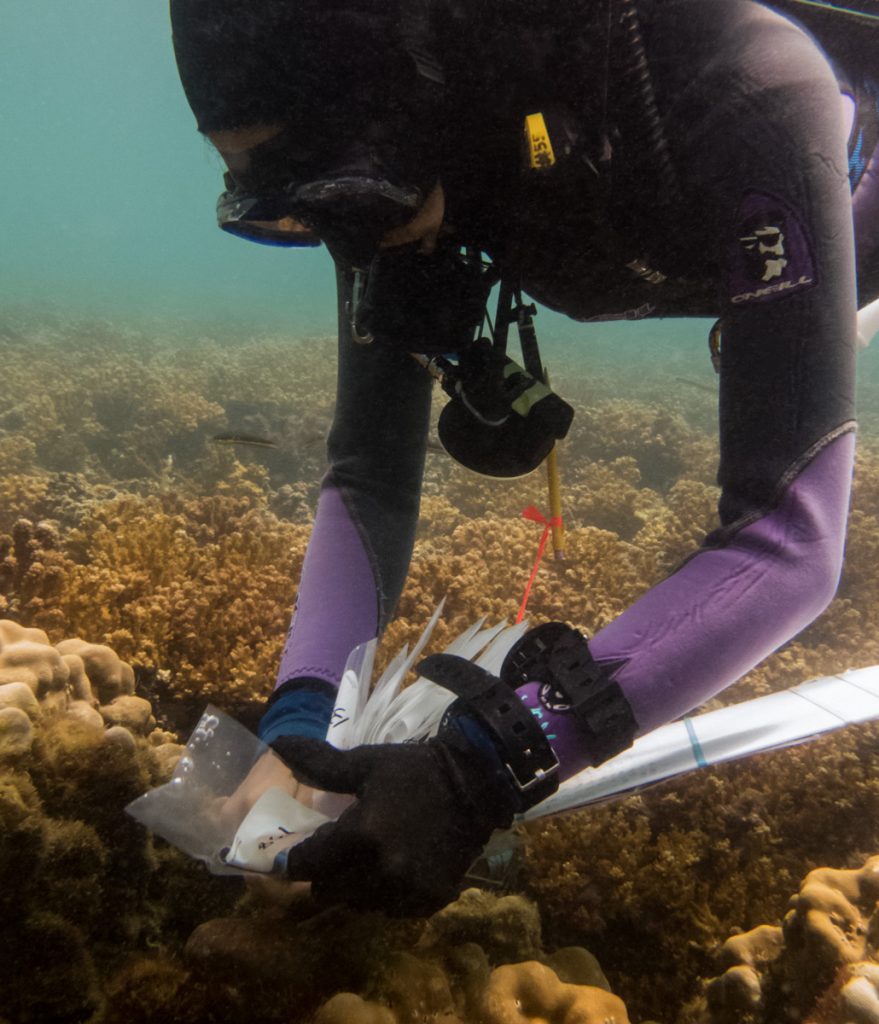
[639,82]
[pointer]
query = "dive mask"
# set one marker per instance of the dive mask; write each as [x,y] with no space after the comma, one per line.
[346,194]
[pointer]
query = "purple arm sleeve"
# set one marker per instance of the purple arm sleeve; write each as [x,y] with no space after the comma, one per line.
[725,609]
[337,606]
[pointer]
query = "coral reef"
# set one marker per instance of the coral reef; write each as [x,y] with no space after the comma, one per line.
[655,881]
[123,523]
[334,966]
[81,880]
[819,966]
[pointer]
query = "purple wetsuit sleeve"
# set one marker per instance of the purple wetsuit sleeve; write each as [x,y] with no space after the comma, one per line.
[364,528]
[337,607]
[725,609]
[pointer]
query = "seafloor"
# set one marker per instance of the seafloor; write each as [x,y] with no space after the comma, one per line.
[123,524]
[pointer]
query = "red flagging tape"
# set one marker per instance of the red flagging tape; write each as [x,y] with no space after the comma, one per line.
[536,516]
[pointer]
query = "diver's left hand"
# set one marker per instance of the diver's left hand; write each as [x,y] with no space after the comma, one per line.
[423,813]
[268,772]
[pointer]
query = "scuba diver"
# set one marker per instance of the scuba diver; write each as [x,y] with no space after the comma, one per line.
[613,159]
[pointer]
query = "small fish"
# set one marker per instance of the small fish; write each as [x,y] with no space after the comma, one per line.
[697,385]
[251,440]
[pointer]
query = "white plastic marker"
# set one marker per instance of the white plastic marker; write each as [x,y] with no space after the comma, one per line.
[765,723]
[274,824]
[868,323]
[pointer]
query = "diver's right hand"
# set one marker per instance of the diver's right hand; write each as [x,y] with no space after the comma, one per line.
[423,813]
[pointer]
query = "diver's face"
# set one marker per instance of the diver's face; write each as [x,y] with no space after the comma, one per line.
[244,150]
[234,145]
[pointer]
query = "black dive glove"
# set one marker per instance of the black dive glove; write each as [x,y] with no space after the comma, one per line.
[424,811]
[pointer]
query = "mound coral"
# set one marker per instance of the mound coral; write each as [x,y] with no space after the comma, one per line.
[819,966]
[122,522]
[532,992]
[335,965]
[76,745]
[655,880]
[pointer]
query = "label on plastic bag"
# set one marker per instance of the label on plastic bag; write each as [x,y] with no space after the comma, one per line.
[275,823]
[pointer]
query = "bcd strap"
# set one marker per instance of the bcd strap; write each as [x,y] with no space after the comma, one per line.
[558,656]
[514,732]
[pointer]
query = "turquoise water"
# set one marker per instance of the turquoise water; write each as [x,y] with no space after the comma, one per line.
[109,191]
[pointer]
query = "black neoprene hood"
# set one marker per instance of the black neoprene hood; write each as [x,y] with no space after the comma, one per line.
[247,62]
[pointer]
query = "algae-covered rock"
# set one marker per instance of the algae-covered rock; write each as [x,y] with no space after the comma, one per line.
[337,962]
[145,991]
[22,843]
[48,974]
[413,988]
[73,875]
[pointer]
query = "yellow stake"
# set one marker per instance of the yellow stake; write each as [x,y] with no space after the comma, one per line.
[555,493]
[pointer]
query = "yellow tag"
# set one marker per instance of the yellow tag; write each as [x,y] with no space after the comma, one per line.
[540,151]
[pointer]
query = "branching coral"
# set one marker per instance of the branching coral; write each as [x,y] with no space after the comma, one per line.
[120,521]
[32,572]
[660,441]
[484,565]
[203,587]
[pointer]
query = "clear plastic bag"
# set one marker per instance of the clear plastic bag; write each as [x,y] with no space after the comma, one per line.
[202,812]
[194,812]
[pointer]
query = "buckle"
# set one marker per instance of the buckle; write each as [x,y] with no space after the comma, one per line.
[522,747]
[539,776]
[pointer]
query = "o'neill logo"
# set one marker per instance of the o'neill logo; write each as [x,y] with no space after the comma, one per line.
[771,253]
[773,289]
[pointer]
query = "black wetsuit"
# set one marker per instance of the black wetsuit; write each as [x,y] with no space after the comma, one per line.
[746,215]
